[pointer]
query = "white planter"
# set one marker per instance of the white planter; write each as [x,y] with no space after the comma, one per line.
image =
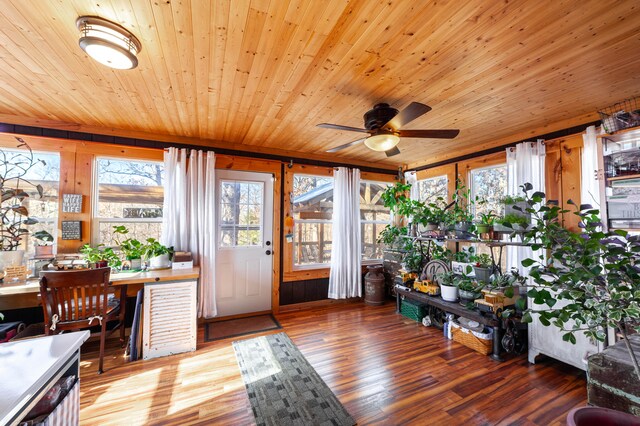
[449,293]
[136,263]
[11,258]
[460,268]
[160,262]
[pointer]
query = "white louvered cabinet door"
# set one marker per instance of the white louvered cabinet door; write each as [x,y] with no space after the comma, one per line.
[169,319]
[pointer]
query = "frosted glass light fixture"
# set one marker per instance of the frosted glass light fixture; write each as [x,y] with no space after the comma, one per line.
[382,141]
[108,43]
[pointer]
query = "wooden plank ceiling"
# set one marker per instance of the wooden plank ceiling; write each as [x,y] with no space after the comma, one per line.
[260,74]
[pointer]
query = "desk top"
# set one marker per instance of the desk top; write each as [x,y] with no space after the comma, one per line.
[27,366]
[120,278]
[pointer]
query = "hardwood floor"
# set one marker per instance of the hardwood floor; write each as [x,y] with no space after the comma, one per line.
[384,368]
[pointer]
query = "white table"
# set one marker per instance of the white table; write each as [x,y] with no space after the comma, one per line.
[29,368]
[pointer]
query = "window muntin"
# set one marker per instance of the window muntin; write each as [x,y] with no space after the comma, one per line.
[240,219]
[374,217]
[312,209]
[429,190]
[129,193]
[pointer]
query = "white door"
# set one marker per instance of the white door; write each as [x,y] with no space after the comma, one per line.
[244,261]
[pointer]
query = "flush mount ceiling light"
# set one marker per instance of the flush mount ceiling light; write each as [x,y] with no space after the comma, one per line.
[382,141]
[108,43]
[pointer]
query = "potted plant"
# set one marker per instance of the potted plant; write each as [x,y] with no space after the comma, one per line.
[101,256]
[412,260]
[484,227]
[44,244]
[131,248]
[158,255]
[469,290]
[463,260]
[595,274]
[515,223]
[448,282]
[483,267]
[14,215]
[462,211]
[395,196]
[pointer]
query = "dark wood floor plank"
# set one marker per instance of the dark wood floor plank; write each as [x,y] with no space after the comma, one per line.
[384,368]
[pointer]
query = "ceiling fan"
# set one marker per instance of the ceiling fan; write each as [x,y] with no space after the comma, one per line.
[383,123]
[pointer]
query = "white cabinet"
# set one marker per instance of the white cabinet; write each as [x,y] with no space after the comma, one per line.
[169,318]
[548,341]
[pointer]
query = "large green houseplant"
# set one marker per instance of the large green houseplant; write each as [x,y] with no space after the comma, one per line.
[597,273]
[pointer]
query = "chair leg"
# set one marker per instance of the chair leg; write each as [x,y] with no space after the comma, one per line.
[103,337]
[123,304]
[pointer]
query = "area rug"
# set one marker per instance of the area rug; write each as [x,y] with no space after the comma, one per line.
[283,387]
[239,327]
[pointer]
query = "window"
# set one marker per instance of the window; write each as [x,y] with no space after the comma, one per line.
[312,208]
[129,193]
[489,183]
[374,217]
[45,172]
[430,189]
[240,213]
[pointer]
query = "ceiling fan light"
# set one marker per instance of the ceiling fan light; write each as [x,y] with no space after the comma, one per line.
[382,142]
[108,43]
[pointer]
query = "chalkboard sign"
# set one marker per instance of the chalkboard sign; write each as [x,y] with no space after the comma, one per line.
[71,230]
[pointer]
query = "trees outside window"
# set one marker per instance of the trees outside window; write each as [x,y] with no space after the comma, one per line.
[429,190]
[129,193]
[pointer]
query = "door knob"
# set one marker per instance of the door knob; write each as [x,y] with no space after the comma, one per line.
[268,252]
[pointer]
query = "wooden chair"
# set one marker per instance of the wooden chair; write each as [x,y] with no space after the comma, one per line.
[74,300]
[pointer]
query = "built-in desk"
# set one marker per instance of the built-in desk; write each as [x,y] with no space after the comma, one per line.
[29,368]
[26,294]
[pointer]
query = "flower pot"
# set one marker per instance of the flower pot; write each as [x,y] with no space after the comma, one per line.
[483,228]
[467,296]
[160,262]
[11,258]
[44,251]
[135,263]
[449,293]
[596,416]
[461,268]
[483,274]
[101,264]
[462,229]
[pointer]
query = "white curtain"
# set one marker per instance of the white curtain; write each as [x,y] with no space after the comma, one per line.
[189,221]
[525,164]
[345,277]
[410,177]
[589,188]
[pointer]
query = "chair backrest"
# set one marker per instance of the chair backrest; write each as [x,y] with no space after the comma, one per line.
[74,296]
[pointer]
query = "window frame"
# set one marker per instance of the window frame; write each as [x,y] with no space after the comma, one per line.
[97,220]
[309,266]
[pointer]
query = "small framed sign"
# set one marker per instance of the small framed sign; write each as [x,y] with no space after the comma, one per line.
[72,203]
[71,230]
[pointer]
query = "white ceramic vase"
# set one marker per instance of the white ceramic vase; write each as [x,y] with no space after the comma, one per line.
[160,262]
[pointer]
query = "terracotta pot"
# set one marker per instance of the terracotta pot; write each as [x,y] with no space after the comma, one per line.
[44,251]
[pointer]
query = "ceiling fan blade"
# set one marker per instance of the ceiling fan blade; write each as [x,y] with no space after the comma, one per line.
[433,134]
[346,145]
[407,115]
[393,151]
[339,127]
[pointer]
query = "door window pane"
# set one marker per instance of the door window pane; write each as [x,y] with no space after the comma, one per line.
[240,213]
